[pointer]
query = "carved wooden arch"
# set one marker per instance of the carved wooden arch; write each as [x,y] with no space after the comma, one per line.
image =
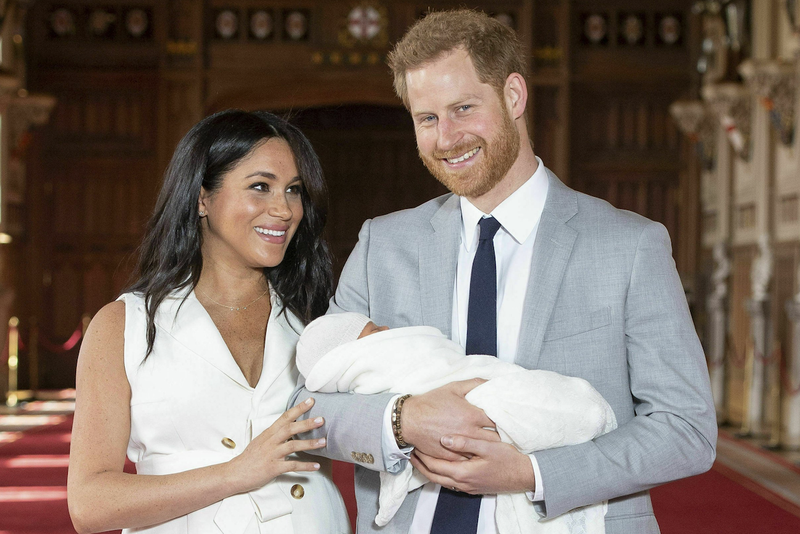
[307,91]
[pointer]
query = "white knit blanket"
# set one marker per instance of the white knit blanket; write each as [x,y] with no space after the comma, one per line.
[532,410]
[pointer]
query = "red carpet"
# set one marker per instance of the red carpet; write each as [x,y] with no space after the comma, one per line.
[33,476]
[722,501]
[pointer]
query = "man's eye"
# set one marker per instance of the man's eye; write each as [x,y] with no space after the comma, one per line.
[465,107]
[428,118]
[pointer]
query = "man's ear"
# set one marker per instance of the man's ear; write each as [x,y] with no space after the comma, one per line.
[516,94]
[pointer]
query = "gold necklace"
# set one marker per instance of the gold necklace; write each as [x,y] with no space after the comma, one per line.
[234,308]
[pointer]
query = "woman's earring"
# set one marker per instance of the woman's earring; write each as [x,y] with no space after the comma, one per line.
[202,214]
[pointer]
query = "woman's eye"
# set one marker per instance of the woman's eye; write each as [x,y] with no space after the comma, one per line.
[295,189]
[260,186]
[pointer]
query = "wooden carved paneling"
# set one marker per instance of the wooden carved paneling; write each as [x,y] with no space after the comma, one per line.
[183,19]
[626,151]
[96,283]
[100,117]
[546,122]
[181,107]
[629,39]
[82,33]
[628,61]
[623,121]
[370,160]
[102,203]
[741,261]
[99,208]
[94,182]
[66,289]
[57,369]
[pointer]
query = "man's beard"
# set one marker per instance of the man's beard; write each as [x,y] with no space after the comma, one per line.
[498,157]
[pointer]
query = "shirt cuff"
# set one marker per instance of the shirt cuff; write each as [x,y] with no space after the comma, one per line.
[393,456]
[538,495]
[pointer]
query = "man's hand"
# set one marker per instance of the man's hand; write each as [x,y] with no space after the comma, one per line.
[444,411]
[493,467]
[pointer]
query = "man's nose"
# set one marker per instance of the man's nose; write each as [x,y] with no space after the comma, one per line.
[449,134]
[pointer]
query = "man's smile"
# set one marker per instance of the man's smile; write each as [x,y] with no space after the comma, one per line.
[463,157]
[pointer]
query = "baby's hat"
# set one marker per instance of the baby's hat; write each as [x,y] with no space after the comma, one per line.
[324,334]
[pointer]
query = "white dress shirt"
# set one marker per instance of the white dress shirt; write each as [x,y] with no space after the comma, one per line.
[519,216]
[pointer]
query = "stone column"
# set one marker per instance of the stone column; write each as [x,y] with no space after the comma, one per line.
[715,352]
[760,328]
[718,328]
[791,405]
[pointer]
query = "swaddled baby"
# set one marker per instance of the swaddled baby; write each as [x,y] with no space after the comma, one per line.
[532,409]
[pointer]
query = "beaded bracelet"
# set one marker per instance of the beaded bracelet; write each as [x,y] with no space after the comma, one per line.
[397,410]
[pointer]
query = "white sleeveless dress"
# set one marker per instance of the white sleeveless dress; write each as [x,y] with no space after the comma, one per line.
[192,407]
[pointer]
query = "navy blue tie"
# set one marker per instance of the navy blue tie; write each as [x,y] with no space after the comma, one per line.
[456,512]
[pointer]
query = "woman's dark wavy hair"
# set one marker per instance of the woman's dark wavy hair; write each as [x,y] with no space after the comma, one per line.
[170,257]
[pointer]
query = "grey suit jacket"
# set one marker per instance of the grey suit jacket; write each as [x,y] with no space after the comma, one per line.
[604,303]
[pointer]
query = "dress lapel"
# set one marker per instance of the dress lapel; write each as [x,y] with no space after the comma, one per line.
[279,345]
[551,252]
[191,326]
[438,255]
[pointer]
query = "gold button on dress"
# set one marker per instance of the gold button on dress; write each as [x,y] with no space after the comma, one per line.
[298,491]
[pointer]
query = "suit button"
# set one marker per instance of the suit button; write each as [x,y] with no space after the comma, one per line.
[229,443]
[297,491]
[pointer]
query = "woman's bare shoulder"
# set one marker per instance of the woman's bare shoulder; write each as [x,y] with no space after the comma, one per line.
[106,330]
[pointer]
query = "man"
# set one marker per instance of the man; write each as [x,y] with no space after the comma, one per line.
[567,283]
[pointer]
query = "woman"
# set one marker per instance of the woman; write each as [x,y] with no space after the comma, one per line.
[190,370]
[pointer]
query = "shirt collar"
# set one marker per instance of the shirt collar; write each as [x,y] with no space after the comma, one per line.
[518,214]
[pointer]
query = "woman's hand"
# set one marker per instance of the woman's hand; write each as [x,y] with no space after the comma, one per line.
[265,456]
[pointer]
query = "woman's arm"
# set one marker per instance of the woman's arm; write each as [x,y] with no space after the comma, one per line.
[102,497]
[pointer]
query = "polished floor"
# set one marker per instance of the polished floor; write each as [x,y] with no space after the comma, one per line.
[776,470]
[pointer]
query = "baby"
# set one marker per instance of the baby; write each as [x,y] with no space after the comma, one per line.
[532,409]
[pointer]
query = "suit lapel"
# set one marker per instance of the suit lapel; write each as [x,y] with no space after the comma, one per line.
[438,255]
[551,252]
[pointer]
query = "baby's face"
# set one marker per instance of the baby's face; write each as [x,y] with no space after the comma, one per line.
[371,328]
